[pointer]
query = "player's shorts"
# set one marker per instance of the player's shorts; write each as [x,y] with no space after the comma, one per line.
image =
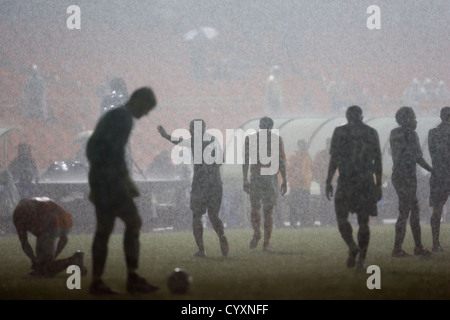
[360,199]
[206,198]
[439,191]
[106,212]
[263,189]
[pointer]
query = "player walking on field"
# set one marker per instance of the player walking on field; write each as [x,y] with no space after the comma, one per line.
[439,147]
[355,152]
[263,188]
[406,154]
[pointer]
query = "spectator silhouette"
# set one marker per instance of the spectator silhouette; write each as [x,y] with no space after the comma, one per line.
[24,170]
[274,92]
[320,170]
[36,95]
[299,171]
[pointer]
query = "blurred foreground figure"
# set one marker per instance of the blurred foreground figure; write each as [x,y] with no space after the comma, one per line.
[439,147]
[406,153]
[355,152]
[47,221]
[206,188]
[112,189]
[263,188]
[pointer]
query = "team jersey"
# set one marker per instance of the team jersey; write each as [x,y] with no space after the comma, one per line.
[40,215]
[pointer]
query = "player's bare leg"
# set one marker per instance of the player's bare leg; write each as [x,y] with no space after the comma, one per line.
[435,223]
[268,227]
[346,231]
[255,219]
[363,240]
[197,228]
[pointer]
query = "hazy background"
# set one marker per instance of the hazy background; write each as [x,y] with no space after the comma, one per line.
[314,42]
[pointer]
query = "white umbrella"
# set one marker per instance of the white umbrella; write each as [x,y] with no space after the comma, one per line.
[207,32]
[83,136]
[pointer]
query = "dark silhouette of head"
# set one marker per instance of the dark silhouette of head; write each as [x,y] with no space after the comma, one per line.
[141,102]
[192,126]
[354,114]
[266,123]
[406,117]
[445,114]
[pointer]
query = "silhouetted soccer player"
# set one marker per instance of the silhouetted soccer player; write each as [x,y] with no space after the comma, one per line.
[439,147]
[406,153]
[206,187]
[48,222]
[112,189]
[263,188]
[355,152]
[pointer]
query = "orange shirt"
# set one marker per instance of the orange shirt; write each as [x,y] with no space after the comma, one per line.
[40,215]
[299,171]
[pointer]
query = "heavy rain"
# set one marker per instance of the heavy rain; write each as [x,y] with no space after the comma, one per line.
[302,63]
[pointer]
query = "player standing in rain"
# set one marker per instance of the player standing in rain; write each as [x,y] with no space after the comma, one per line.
[263,188]
[355,152]
[439,147]
[206,187]
[112,189]
[406,154]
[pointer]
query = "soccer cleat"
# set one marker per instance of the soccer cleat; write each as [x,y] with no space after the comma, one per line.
[98,287]
[437,249]
[224,245]
[254,241]
[351,260]
[400,253]
[137,284]
[421,251]
[200,254]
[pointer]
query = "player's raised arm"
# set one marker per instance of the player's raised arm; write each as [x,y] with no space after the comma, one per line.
[167,136]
